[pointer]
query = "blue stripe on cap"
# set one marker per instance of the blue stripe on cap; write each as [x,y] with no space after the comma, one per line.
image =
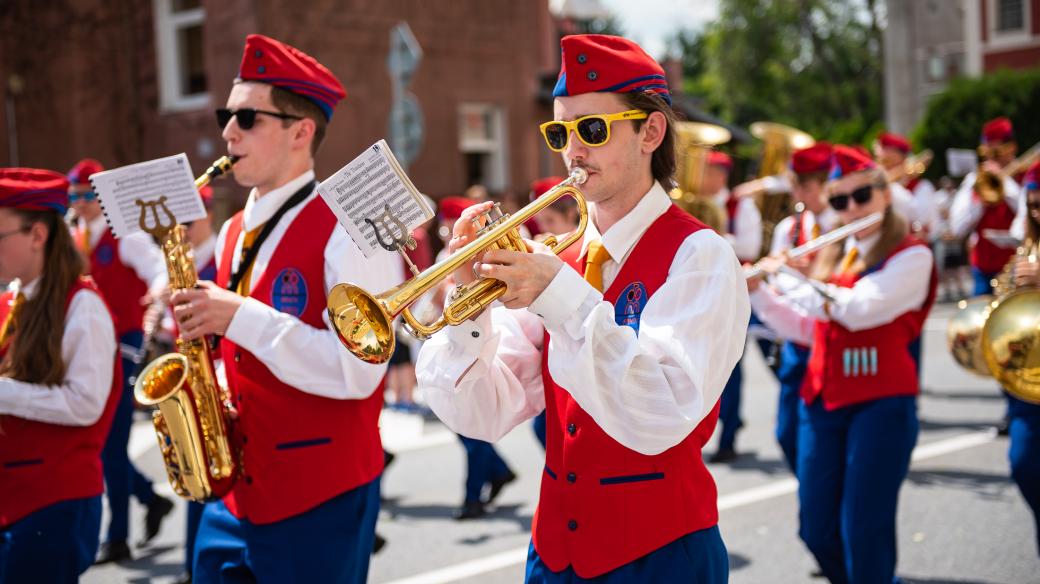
[561,86]
[654,77]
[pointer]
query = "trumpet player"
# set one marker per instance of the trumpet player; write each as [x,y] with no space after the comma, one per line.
[859,395]
[129,273]
[60,382]
[975,213]
[304,506]
[628,352]
[891,151]
[813,217]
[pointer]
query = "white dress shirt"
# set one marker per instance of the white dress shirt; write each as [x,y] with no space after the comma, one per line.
[88,348]
[746,238]
[926,206]
[967,210]
[204,252]
[309,359]
[136,250]
[648,390]
[874,300]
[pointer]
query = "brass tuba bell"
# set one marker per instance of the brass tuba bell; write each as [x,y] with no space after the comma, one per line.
[1010,340]
[695,142]
[779,144]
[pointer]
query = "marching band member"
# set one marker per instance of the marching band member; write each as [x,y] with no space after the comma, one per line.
[969,214]
[305,503]
[629,360]
[744,232]
[60,381]
[858,419]
[1024,426]
[891,151]
[810,167]
[129,272]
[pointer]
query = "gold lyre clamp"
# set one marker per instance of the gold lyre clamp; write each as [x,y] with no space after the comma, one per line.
[158,229]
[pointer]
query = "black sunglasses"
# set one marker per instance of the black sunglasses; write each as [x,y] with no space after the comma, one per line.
[247,117]
[862,196]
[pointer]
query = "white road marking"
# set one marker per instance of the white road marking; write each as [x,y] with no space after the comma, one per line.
[731,501]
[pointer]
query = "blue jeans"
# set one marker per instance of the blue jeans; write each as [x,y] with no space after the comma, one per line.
[982,282]
[53,545]
[698,557]
[729,408]
[483,464]
[121,477]
[851,464]
[794,360]
[331,543]
[1024,454]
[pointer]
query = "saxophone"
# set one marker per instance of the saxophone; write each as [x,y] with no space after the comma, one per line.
[193,419]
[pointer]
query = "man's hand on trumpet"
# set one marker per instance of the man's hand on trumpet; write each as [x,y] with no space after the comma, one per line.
[525,275]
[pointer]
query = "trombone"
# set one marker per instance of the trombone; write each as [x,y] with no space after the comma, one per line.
[364,321]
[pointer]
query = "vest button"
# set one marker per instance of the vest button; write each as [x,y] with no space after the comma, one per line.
[249,480]
[572,525]
[571,477]
[238,356]
[571,429]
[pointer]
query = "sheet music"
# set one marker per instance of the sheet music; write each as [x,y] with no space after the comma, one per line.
[119,190]
[360,193]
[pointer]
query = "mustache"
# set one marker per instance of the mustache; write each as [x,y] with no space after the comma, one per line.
[586,167]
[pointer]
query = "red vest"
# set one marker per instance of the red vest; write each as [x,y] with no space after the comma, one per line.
[42,464]
[985,256]
[119,284]
[603,505]
[298,449]
[847,367]
[732,207]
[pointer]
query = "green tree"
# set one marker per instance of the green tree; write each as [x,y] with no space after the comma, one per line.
[813,64]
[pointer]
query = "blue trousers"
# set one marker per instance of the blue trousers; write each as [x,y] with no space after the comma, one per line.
[331,543]
[53,545]
[1024,454]
[982,282]
[729,407]
[483,464]
[121,477]
[194,518]
[794,360]
[538,425]
[851,464]
[699,557]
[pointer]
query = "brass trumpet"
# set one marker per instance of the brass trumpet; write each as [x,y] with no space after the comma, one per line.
[911,168]
[364,321]
[990,185]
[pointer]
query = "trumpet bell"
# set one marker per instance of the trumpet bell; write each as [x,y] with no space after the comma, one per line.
[964,334]
[362,322]
[1011,344]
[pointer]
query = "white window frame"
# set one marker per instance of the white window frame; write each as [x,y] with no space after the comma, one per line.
[497,147]
[167,25]
[997,39]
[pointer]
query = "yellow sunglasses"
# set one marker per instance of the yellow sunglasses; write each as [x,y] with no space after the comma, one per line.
[593,130]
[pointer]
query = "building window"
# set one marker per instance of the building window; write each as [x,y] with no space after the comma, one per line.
[483,145]
[181,54]
[1010,15]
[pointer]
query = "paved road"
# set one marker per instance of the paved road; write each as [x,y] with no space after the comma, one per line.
[961,520]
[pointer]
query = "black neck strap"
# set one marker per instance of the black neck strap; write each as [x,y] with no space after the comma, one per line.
[269,226]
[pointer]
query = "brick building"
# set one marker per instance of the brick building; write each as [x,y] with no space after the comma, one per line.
[1002,34]
[125,81]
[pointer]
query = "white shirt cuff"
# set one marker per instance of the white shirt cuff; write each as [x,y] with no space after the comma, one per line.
[562,298]
[249,326]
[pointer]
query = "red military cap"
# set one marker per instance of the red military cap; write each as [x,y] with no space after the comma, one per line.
[720,159]
[544,185]
[849,159]
[451,207]
[602,63]
[80,174]
[1031,181]
[278,64]
[206,193]
[33,189]
[998,130]
[815,158]
[892,140]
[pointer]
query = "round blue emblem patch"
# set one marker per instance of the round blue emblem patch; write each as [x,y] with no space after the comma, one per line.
[289,292]
[629,305]
[104,254]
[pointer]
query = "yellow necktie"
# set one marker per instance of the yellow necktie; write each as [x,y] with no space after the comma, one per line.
[815,230]
[247,243]
[597,254]
[848,260]
[86,240]
[7,329]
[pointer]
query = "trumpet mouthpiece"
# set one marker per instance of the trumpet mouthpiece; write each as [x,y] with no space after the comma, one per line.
[579,175]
